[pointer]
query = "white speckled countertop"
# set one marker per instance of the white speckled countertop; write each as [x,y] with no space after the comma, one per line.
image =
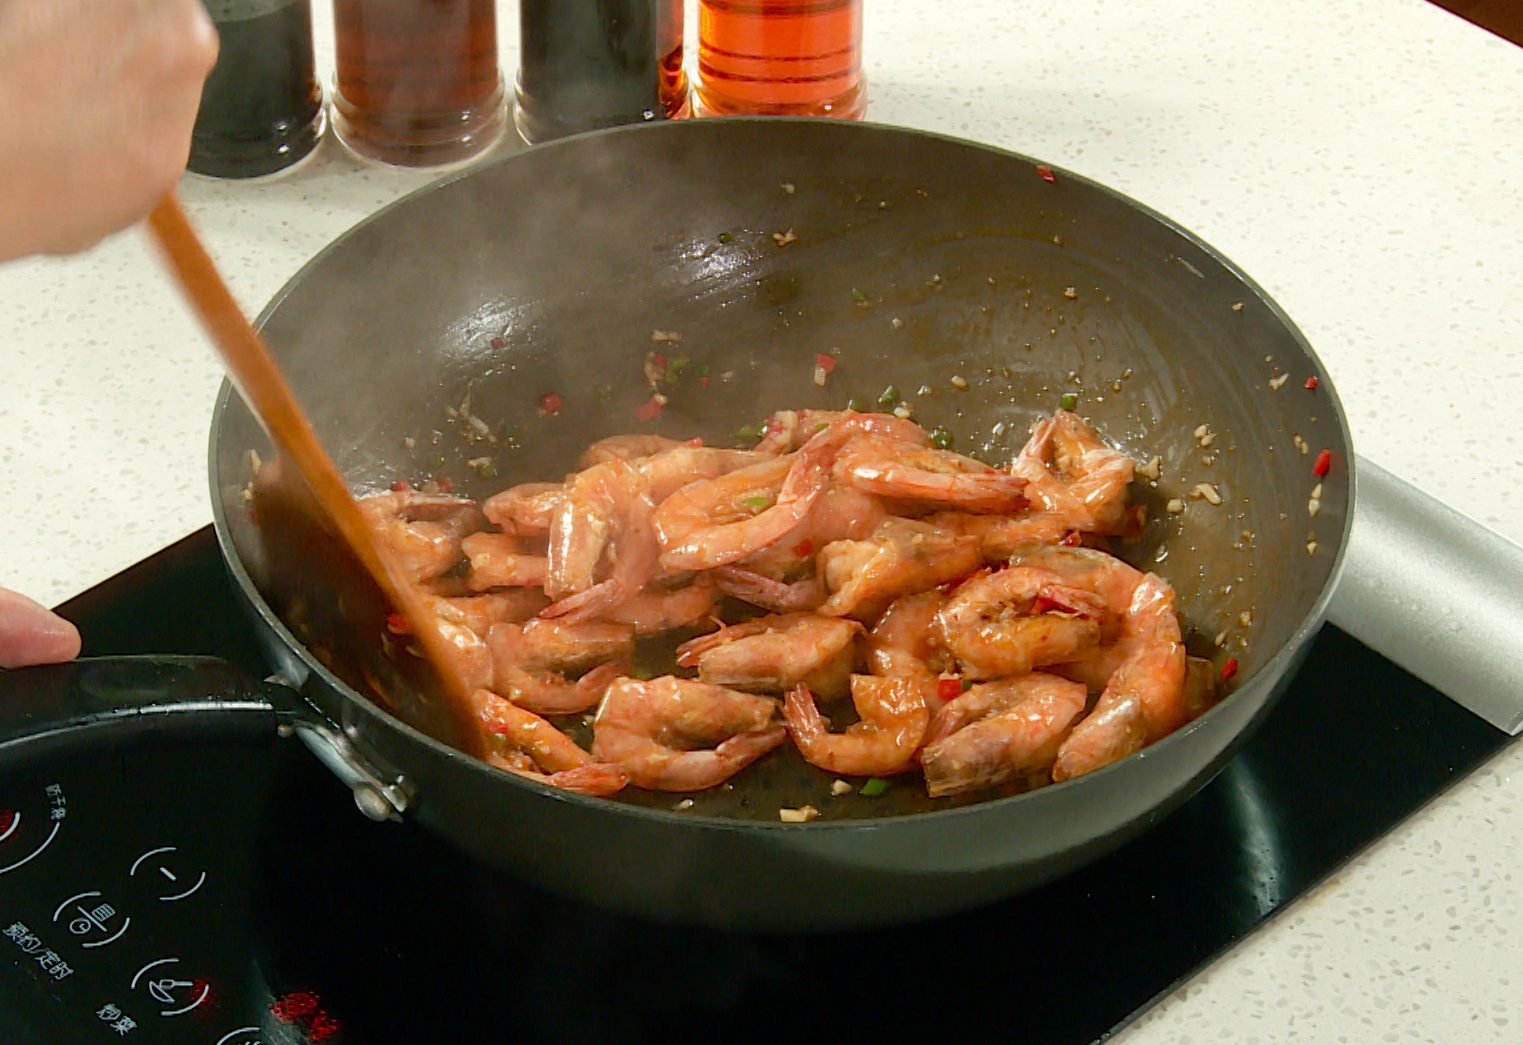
[1362,159]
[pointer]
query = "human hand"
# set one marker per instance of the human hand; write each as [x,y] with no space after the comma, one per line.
[99,98]
[32,634]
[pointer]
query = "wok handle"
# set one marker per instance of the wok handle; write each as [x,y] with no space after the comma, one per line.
[63,706]
[1437,593]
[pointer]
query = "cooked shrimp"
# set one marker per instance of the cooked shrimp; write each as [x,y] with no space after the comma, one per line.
[532,663]
[674,734]
[1145,697]
[607,514]
[1019,724]
[670,470]
[787,430]
[527,509]
[1109,578]
[901,557]
[893,723]
[652,612]
[773,654]
[1013,620]
[497,563]
[468,653]
[900,644]
[537,750]
[886,467]
[720,521]
[1075,476]
[422,530]
[480,612]
[761,590]
[1001,536]
[630,447]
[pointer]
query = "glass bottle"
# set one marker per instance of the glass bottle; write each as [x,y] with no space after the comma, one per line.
[587,64]
[780,58]
[418,83]
[261,107]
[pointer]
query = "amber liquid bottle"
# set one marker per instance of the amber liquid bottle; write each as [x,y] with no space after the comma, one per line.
[780,58]
[418,82]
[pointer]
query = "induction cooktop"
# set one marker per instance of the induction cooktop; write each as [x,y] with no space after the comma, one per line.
[221,889]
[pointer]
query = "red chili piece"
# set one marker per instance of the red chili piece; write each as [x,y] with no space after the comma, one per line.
[397,624]
[1046,173]
[824,362]
[804,547]
[1229,669]
[948,689]
[704,382]
[497,342]
[1072,538]
[647,410]
[446,484]
[697,440]
[1324,462]
[1311,384]
[550,402]
[399,485]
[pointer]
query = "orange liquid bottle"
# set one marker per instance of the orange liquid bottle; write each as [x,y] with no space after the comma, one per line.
[780,58]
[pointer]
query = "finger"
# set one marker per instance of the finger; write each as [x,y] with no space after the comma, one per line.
[32,634]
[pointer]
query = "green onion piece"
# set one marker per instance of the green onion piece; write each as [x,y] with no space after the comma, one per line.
[888,397]
[858,404]
[674,368]
[941,439]
[1068,402]
[487,471]
[702,370]
[436,462]
[725,237]
[510,431]
[967,684]
[605,391]
[758,502]
[874,787]
[858,296]
[748,432]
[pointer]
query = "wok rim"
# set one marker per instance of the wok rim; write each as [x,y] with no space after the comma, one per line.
[1270,674]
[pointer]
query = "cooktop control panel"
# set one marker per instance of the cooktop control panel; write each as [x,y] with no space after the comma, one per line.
[126,887]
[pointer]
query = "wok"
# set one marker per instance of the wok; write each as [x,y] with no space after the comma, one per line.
[915,258]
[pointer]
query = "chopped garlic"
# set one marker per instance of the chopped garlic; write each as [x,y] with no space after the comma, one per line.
[958,381]
[1275,383]
[897,323]
[797,816]
[786,186]
[1070,292]
[1207,491]
[683,806]
[904,411]
[1313,506]
[841,787]
[784,238]
[665,335]
[1153,469]
[1175,506]
[1245,618]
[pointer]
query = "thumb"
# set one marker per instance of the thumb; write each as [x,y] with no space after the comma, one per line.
[32,634]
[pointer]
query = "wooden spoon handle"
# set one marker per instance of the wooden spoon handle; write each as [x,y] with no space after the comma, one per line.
[258,378]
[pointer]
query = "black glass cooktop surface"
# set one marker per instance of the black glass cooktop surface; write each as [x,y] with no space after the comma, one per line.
[225,891]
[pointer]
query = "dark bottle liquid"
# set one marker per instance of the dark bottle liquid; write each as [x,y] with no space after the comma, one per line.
[261,108]
[587,64]
[418,82]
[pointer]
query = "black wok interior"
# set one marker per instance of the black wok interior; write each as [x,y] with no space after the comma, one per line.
[915,259]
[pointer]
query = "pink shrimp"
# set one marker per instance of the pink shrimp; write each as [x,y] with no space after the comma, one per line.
[886,467]
[773,654]
[630,447]
[654,611]
[1144,700]
[532,664]
[893,721]
[496,562]
[1013,620]
[527,509]
[1001,536]
[423,530]
[670,470]
[1075,476]
[901,557]
[480,612]
[606,512]
[900,644]
[537,750]
[672,734]
[998,730]
[761,590]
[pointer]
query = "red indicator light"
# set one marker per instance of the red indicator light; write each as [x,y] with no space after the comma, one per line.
[304,1009]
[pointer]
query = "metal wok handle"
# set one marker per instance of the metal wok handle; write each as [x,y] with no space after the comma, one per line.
[1437,593]
[125,699]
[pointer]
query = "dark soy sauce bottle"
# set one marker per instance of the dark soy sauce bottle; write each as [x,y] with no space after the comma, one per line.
[261,109]
[586,64]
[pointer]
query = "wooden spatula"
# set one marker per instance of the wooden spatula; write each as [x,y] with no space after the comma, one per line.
[258,378]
